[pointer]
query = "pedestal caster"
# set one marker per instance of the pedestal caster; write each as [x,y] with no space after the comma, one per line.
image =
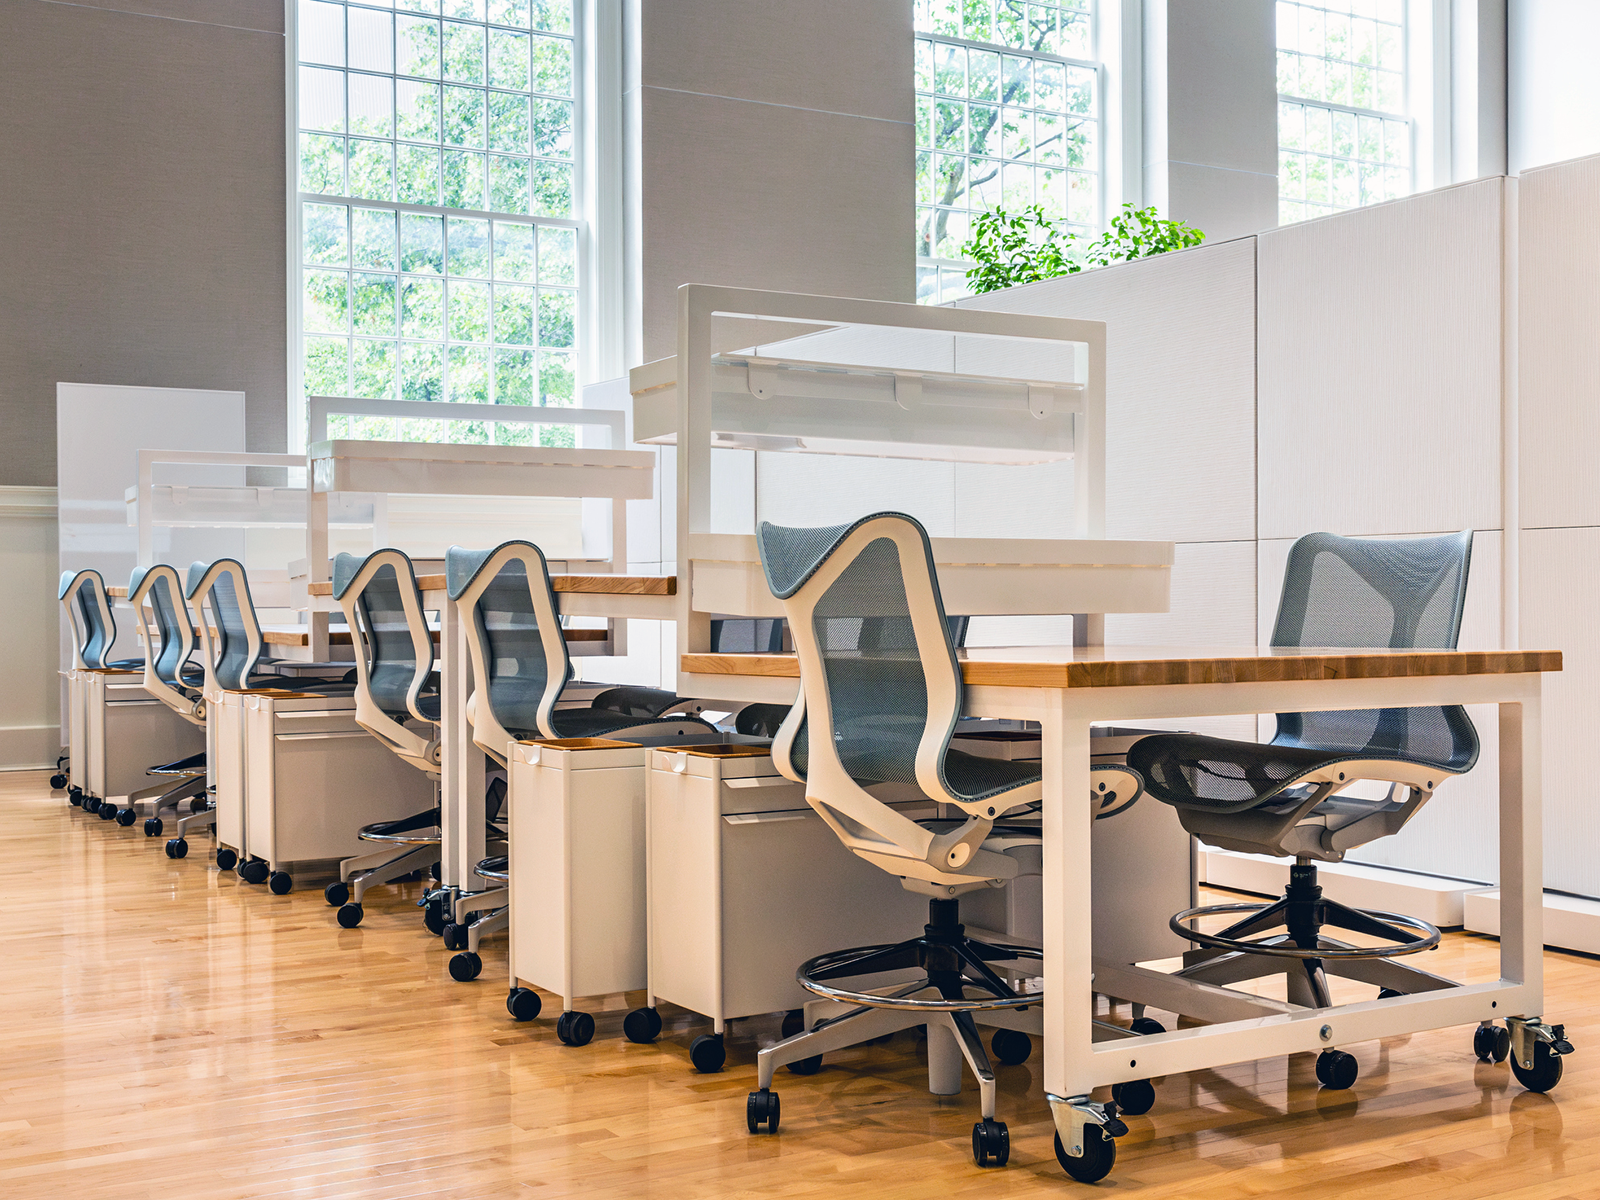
[707,1053]
[349,915]
[1011,1046]
[177,848]
[575,1028]
[642,1026]
[227,860]
[465,967]
[336,893]
[524,1004]
[126,817]
[1337,1070]
[280,882]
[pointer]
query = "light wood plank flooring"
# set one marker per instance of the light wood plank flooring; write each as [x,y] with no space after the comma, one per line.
[174,1033]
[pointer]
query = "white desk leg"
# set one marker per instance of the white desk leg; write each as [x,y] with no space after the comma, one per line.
[461,764]
[1068,971]
[1522,849]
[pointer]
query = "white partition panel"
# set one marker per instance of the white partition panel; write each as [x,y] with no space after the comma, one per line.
[1180,386]
[1380,367]
[1559,344]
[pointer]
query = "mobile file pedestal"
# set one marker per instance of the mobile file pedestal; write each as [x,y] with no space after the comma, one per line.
[312,778]
[577,862]
[746,882]
[117,732]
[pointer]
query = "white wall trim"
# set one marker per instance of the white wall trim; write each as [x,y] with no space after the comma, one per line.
[28,502]
[1438,901]
[1570,922]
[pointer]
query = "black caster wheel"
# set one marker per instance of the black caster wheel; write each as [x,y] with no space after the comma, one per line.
[255,871]
[1012,1047]
[336,894]
[575,1028]
[280,883]
[227,860]
[1545,1072]
[1388,993]
[524,1004]
[433,915]
[1491,1043]
[707,1053]
[57,782]
[1145,1026]
[106,812]
[642,1026]
[806,1066]
[455,936]
[794,1021]
[91,804]
[436,872]
[153,827]
[1098,1157]
[761,1111]
[75,797]
[1337,1070]
[465,967]
[127,817]
[1136,1097]
[177,848]
[991,1144]
[350,915]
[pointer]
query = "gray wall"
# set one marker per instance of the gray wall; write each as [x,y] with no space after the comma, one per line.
[142,194]
[774,150]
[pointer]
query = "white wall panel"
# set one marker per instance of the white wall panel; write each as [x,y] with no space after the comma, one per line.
[817,489]
[29,563]
[1456,832]
[1180,386]
[1379,359]
[1560,579]
[1558,282]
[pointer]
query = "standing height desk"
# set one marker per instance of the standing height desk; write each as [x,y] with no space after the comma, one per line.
[1065,687]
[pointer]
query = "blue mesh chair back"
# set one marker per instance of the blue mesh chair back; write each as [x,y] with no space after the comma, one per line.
[392,666]
[1375,593]
[507,627]
[172,625]
[747,635]
[94,627]
[234,616]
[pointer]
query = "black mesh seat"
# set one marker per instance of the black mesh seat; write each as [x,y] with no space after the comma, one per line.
[1289,797]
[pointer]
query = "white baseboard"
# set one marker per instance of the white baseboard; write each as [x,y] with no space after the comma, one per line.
[29,747]
[1570,923]
[1437,901]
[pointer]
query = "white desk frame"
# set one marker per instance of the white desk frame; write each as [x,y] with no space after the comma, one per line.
[1074,1064]
[699,305]
[148,459]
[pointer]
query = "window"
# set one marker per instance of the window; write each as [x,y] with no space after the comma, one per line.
[438,230]
[1008,115]
[1344,137]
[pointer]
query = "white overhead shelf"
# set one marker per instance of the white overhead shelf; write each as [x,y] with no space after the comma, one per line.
[781,404]
[176,506]
[470,470]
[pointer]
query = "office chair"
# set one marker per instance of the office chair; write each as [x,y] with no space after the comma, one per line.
[156,595]
[94,632]
[520,666]
[1290,798]
[397,703]
[232,658]
[880,693]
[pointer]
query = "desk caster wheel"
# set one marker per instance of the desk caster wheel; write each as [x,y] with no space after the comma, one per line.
[1136,1097]
[524,1004]
[153,827]
[1388,993]
[127,817]
[1012,1047]
[991,1144]
[91,804]
[57,782]
[1491,1043]
[575,1028]
[227,860]
[106,812]
[642,1026]
[455,936]
[707,1053]
[465,967]
[1337,1070]
[280,883]
[336,894]
[255,871]
[177,848]
[75,797]
[761,1112]
[349,915]
[1545,1072]
[1098,1157]
[1145,1026]
[433,915]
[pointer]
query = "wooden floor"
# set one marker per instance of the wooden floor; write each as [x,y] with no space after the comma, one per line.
[177,1034]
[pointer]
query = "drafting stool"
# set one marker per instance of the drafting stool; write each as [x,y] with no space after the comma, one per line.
[880,694]
[520,667]
[231,656]
[156,595]
[397,702]
[1290,798]
[94,631]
